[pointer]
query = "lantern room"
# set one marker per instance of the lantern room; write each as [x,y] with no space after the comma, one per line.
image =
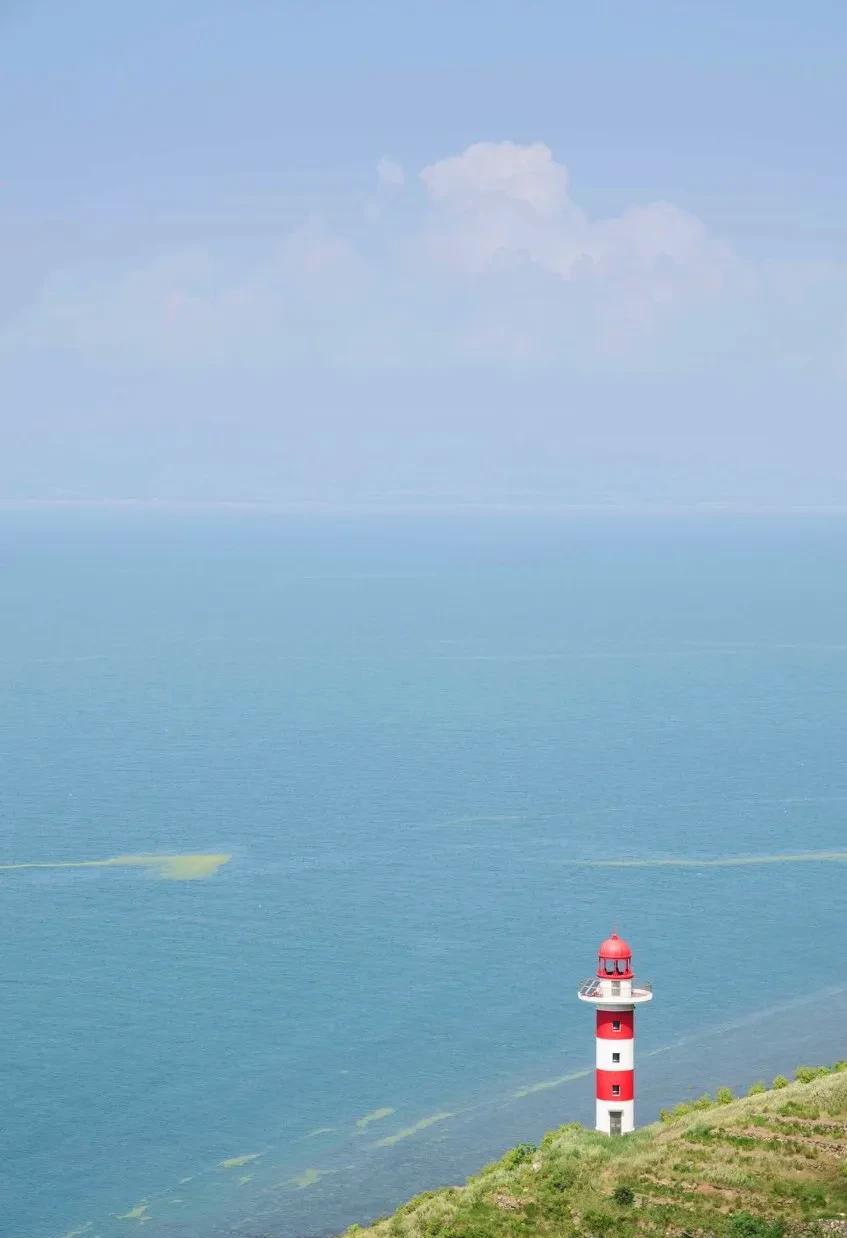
[615,959]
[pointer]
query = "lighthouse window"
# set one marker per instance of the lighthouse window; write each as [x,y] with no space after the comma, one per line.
[616,1025]
[616,1089]
[616,988]
[616,1057]
[610,967]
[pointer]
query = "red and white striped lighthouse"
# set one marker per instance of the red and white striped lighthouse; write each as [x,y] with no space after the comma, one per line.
[614,994]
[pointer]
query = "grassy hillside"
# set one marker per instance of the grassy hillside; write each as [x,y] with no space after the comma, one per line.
[754,1168]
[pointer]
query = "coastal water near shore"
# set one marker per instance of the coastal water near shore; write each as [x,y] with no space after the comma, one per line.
[311,829]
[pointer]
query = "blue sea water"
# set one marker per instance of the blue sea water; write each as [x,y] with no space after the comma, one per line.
[420,741]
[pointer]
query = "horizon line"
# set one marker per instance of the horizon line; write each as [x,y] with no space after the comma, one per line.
[317,507]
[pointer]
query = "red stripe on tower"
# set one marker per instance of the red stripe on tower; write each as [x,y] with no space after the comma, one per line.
[612,1084]
[616,1024]
[614,994]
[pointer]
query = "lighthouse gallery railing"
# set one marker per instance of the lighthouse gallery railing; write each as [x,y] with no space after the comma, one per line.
[591,987]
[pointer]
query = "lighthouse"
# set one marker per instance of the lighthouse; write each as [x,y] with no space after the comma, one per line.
[614,995]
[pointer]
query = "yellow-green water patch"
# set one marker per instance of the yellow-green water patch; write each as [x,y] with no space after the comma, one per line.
[375,1116]
[188,867]
[139,1213]
[728,861]
[546,1084]
[408,1131]
[308,1178]
[235,1162]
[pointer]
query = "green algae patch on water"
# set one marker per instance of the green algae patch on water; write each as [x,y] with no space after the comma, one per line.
[180,867]
[308,1178]
[377,1115]
[139,1213]
[547,1085]
[187,867]
[409,1131]
[728,861]
[236,1162]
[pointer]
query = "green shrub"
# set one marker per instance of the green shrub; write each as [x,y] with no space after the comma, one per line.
[724,1096]
[599,1224]
[623,1195]
[780,1082]
[805,1074]
[680,1110]
[559,1178]
[743,1225]
[703,1102]
[517,1156]
[756,1089]
[839,1066]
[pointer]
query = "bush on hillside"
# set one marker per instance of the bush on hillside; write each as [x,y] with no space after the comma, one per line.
[517,1156]
[780,1082]
[756,1089]
[687,1106]
[599,1224]
[623,1195]
[805,1074]
[744,1225]
[559,1178]
[724,1096]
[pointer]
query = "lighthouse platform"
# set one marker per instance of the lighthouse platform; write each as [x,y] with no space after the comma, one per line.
[600,993]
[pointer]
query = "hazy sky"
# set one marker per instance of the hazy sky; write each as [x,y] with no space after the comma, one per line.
[530,253]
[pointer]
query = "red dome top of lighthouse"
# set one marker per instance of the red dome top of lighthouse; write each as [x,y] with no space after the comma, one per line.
[614,947]
[615,958]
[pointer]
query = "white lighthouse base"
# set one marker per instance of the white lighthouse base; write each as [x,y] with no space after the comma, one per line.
[615,1117]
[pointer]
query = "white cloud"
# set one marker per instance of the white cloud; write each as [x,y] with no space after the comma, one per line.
[203,305]
[493,261]
[500,172]
[498,206]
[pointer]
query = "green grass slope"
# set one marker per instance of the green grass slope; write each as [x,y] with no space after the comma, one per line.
[774,1162]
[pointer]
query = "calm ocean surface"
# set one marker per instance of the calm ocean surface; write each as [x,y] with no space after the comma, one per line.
[414,739]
